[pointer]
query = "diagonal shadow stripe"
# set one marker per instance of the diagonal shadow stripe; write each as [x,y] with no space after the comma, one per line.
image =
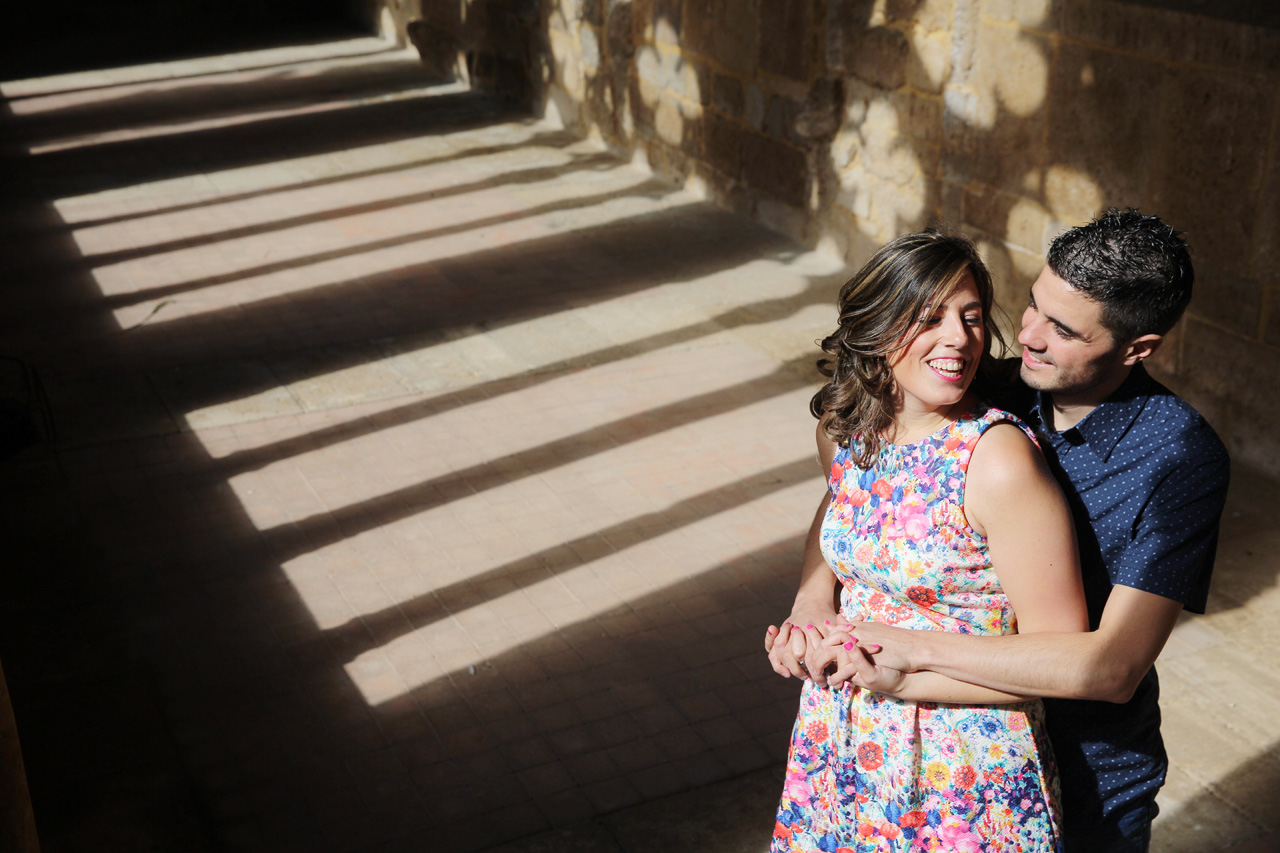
[112,165]
[191,101]
[195,75]
[764,311]
[552,139]
[404,617]
[651,188]
[322,529]
[522,176]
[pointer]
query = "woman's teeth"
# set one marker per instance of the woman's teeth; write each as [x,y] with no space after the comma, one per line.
[948,366]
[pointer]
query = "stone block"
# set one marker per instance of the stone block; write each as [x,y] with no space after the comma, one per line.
[1215,131]
[1228,301]
[929,62]
[779,115]
[754,107]
[878,55]
[724,31]
[1271,324]
[1170,36]
[1242,372]
[1073,196]
[651,67]
[1266,253]
[994,127]
[722,144]
[929,15]
[619,31]
[1028,13]
[726,95]
[667,18]
[677,124]
[589,45]
[1167,359]
[786,48]
[776,168]
[1101,109]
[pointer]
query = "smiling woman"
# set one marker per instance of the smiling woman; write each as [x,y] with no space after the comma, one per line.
[941,515]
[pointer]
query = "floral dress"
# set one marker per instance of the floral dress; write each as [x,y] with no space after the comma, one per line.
[868,772]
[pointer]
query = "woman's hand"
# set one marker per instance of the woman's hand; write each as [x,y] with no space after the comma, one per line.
[797,647]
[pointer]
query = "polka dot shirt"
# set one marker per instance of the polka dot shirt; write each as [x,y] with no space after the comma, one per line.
[1146,478]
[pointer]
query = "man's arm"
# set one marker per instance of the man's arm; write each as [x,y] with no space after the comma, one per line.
[1171,550]
[1105,664]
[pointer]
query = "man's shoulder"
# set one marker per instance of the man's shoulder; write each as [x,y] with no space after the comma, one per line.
[1173,426]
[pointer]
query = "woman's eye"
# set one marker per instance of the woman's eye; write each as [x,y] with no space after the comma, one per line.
[973,320]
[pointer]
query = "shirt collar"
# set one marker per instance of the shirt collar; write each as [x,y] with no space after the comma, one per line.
[1103,428]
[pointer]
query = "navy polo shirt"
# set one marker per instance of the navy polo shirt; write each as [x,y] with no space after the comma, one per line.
[1146,479]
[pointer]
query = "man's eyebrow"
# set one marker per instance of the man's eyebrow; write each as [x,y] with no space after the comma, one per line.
[1066,330]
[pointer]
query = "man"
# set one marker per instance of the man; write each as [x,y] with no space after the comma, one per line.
[1146,479]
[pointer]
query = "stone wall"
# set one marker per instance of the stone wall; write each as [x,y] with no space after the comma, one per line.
[845,122]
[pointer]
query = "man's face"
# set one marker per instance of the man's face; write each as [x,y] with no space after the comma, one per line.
[1068,352]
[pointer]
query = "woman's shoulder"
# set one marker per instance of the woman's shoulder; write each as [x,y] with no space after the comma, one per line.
[984,416]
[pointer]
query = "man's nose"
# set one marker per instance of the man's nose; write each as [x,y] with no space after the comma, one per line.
[1031,334]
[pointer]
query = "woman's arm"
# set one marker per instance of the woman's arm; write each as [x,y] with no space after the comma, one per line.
[1013,500]
[815,598]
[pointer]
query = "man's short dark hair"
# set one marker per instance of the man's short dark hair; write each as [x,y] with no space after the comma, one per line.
[1135,265]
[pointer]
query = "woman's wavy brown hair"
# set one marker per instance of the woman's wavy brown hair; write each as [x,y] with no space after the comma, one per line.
[881,310]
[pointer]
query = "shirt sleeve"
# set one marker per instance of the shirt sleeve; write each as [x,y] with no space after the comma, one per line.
[1176,534]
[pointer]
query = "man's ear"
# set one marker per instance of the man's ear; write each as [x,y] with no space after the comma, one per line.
[1141,348]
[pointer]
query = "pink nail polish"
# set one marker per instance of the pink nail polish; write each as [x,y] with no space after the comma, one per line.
[826,621]
[855,639]
[808,627]
[848,627]
[848,647]
[788,624]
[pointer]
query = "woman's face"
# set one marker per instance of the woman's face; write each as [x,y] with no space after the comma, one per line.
[933,370]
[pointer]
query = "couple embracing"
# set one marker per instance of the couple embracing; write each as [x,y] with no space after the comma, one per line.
[1001,554]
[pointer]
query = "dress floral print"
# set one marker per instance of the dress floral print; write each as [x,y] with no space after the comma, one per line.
[868,772]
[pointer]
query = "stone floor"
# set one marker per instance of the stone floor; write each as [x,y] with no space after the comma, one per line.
[419,476]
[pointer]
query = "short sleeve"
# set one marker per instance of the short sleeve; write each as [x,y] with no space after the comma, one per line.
[1176,535]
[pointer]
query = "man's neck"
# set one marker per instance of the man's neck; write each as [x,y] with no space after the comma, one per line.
[1071,409]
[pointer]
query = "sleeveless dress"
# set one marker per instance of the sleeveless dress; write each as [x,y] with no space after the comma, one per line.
[868,772]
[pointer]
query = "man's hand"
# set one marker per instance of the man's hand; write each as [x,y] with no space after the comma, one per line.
[797,647]
[854,665]
[893,648]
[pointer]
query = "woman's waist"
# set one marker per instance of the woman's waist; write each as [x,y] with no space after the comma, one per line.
[920,606]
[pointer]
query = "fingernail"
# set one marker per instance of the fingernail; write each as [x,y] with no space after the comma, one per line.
[772,630]
[788,624]
[826,621]
[807,627]
[848,647]
[848,627]
[855,639]
[873,648]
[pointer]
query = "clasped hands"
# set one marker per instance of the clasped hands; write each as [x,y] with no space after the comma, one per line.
[825,649]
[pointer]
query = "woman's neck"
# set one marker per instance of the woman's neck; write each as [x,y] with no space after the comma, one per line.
[910,425]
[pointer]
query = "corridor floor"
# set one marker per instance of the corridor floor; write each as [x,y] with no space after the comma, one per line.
[419,476]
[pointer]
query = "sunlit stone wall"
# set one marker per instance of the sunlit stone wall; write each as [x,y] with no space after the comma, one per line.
[845,122]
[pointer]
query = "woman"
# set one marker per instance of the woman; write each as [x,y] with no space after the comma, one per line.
[941,514]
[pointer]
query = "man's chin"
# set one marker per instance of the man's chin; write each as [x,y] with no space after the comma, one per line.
[1035,378]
